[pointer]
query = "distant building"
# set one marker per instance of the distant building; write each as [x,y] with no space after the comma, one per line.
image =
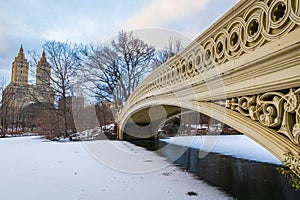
[19,93]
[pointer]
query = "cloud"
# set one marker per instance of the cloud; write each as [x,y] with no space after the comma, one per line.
[159,13]
[79,32]
[32,22]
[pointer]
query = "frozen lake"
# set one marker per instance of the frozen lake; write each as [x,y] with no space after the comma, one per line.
[34,168]
[234,163]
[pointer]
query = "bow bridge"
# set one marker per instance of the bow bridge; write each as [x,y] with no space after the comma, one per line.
[243,71]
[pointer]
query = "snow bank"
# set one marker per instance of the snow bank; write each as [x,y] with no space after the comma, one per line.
[33,168]
[239,146]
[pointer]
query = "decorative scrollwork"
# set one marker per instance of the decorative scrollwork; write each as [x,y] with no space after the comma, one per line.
[253,27]
[278,110]
[279,12]
[263,22]
[234,39]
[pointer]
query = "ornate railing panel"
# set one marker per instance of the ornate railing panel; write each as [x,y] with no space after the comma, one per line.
[277,110]
[261,22]
[248,26]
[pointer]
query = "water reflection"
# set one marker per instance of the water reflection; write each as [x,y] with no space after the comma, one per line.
[240,178]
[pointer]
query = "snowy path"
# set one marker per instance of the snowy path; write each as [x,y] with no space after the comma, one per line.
[32,168]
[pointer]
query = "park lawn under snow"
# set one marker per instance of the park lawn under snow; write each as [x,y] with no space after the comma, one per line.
[34,168]
[239,146]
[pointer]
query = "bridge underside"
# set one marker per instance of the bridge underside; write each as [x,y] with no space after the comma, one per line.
[141,127]
[145,123]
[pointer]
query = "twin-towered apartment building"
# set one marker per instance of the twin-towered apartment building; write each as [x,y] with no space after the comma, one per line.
[19,93]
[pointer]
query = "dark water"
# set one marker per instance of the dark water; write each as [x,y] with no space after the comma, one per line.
[240,178]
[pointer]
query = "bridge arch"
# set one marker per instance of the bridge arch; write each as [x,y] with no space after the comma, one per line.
[242,71]
[268,138]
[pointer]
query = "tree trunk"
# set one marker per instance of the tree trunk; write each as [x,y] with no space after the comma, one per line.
[65,115]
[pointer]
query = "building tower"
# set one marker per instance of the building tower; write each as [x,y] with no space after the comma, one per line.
[19,94]
[19,73]
[43,72]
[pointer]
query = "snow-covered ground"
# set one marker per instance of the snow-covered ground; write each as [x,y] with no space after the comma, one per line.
[239,146]
[33,168]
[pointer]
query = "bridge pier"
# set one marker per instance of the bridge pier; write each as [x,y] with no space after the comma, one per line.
[133,131]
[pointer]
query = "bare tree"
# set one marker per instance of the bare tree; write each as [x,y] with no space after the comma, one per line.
[114,71]
[175,45]
[104,114]
[161,56]
[64,59]
[11,111]
[2,88]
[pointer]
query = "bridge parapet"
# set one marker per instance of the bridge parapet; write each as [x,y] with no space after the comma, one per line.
[249,25]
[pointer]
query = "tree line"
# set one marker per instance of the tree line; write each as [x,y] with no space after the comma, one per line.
[107,74]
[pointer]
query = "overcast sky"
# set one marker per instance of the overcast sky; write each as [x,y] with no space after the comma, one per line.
[32,22]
